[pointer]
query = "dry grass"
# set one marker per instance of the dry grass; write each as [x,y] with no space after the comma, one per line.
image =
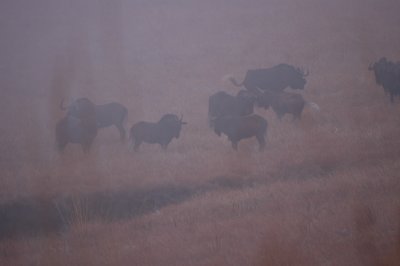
[325,191]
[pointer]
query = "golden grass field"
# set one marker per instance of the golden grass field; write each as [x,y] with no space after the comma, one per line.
[324,192]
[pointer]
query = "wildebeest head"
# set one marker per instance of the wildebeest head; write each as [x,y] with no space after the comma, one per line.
[379,68]
[172,124]
[387,74]
[297,80]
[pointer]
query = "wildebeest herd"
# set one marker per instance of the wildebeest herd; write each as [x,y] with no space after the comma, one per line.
[228,114]
[84,118]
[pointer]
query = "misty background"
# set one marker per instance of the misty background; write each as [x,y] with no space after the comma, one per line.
[168,56]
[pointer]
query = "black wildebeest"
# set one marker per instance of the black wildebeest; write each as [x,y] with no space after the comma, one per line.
[284,103]
[162,132]
[71,129]
[387,74]
[223,104]
[111,114]
[237,128]
[276,78]
[78,126]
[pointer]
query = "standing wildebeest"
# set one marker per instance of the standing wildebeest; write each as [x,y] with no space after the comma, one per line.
[284,103]
[78,126]
[111,114]
[74,130]
[241,127]
[162,132]
[387,74]
[223,104]
[276,78]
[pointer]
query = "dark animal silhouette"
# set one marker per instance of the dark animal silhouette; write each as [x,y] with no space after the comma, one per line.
[78,126]
[276,78]
[223,104]
[162,132]
[111,114]
[74,130]
[237,128]
[387,74]
[284,103]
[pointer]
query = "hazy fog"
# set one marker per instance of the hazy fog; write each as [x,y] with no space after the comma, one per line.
[169,56]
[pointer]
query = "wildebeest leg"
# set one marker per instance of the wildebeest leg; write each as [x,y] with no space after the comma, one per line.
[261,142]
[121,130]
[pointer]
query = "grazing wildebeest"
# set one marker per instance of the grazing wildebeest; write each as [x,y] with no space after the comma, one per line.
[237,128]
[223,104]
[71,129]
[284,103]
[162,132]
[276,78]
[387,74]
[111,114]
